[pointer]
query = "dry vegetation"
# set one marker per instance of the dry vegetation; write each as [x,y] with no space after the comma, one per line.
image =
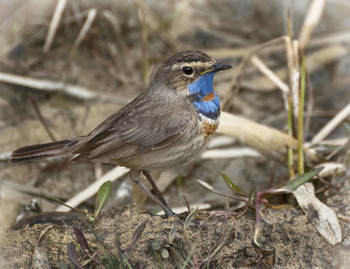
[66,65]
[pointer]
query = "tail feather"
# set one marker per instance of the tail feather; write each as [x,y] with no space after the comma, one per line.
[40,151]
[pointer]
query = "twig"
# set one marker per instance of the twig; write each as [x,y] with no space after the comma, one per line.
[331,125]
[311,20]
[270,74]
[41,118]
[331,168]
[273,77]
[300,135]
[331,38]
[289,55]
[87,25]
[144,43]
[91,190]
[295,85]
[220,141]
[54,86]
[240,70]
[310,104]
[61,4]
[229,153]
[314,61]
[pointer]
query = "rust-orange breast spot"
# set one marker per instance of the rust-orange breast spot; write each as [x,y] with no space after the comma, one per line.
[208,129]
[209,97]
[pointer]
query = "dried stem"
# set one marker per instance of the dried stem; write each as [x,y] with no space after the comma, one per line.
[61,4]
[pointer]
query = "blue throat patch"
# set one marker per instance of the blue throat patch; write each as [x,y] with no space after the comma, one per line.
[203,96]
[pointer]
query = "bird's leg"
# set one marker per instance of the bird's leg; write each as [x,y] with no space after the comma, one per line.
[134,175]
[155,188]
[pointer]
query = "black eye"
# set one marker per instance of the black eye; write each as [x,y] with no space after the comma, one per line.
[187,70]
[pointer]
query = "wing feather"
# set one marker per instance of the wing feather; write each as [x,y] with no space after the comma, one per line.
[137,128]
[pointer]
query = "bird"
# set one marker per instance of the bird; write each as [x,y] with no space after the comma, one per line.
[168,124]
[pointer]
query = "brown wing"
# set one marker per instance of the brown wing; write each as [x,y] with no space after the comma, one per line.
[141,126]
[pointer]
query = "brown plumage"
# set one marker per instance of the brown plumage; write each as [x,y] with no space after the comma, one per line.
[159,128]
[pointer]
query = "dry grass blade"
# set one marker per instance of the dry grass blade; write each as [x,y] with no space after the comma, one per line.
[295,75]
[54,86]
[190,217]
[14,26]
[311,20]
[270,74]
[41,119]
[240,70]
[91,190]
[220,244]
[330,168]
[213,190]
[273,77]
[86,27]
[229,153]
[144,43]
[314,62]
[333,38]
[61,5]
[331,125]
[322,40]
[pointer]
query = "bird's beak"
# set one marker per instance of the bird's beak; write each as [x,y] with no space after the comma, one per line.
[216,67]
[219,66]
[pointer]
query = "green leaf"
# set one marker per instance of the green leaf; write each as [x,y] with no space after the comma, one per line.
[103,195]
[300,180]
[231,185]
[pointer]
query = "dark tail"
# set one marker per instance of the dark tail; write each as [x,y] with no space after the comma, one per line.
[41,151]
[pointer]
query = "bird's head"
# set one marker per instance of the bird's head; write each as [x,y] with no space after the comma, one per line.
[187,68]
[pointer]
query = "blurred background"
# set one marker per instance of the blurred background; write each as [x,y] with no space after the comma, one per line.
[67,65]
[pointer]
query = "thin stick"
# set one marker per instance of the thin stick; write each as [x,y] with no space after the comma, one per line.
[91,190]
[295,78]
[289,51]
[301,120]
[54,86]
[87,25]
[290,132]
[230,153]
[331,125]
[273,77]
[61,4]
[41,119]
[310,104]
[270,74]
[317,41]
[240,70]
[311,20]
[144,43]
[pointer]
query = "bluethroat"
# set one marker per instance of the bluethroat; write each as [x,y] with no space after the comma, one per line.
[167,124]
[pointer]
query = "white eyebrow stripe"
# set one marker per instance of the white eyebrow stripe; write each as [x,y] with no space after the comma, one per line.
[192,64]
